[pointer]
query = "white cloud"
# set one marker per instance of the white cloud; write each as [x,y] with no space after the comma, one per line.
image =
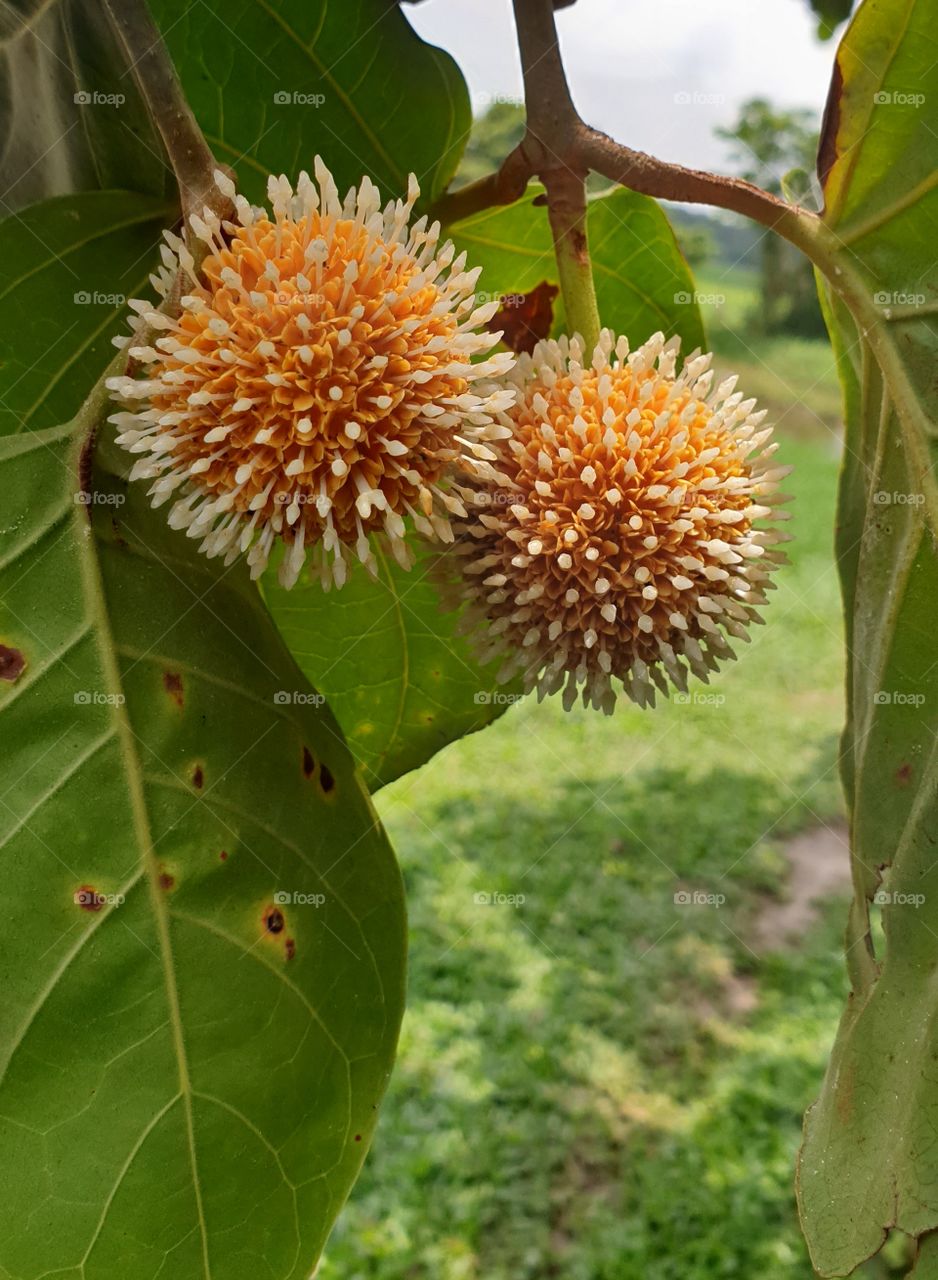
[629,60]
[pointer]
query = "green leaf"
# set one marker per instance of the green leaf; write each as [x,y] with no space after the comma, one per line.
[72,118]
[869,1161]
[189,1081]
[643,282]
[274,82]
[71,264]
[387,657]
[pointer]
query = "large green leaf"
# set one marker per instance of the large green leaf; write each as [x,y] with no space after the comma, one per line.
[869,1160]
[192,1065]
[69,267]
[387,657]
[643,282]
[274,82]
[71,117]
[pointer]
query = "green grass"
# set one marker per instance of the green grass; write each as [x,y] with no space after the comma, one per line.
[794,378]
[598,1083]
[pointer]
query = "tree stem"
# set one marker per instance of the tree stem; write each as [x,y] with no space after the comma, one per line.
[566,208]
[551,122]
[192,162]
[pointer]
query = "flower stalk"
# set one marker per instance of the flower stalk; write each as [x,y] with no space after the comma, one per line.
[566,206]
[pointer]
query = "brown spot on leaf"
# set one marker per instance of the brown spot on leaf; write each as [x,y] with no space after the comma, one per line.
[358,1137]
[830,126]
[289,947]
[88,898]
[273,920]
[326,780]
[166,880]
[172,683]
[309,763]
[198,777]
[525,318]
[12,664]
[904,775]
[224,855]
[85,465]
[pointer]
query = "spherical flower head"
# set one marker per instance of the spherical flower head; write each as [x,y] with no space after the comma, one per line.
[624,536]
[318,382]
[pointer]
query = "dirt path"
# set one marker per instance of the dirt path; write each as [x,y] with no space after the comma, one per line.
[819,867]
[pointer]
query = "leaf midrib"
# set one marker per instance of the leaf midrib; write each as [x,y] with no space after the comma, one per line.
[96,601]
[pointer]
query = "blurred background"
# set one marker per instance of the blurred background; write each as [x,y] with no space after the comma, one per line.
[626,966]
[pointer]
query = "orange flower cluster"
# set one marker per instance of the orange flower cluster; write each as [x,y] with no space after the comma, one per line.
[624,533]
[319,382]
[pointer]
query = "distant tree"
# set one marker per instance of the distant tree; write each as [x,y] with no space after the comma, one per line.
[830,13]
[768,143]
[495,132]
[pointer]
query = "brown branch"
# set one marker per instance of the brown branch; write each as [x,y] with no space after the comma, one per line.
[189,155]
[504,186]
[557,141]
[653,177]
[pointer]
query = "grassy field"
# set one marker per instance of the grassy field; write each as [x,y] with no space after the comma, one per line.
[596,1081]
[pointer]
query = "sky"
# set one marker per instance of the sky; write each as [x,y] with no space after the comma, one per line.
[658,75]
